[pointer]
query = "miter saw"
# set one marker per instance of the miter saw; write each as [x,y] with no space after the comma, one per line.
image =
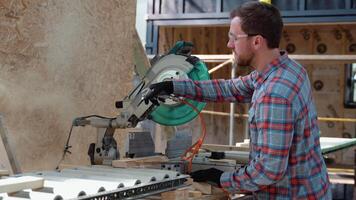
[176,64]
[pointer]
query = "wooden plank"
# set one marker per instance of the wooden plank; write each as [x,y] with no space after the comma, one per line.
[179,194]
[217,191]
[336,178]
[136,162]
[160,139]
[7,158]
[243,145]
[333,119]
[13,184]
[220,147]
[195,194]
[204,188]
[4,172]
[11,198]
[302,57]
[224,64]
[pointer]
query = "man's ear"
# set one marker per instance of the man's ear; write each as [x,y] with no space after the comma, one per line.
[258,42]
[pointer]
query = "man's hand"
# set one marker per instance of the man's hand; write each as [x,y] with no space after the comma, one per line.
[211,175]
[157,89]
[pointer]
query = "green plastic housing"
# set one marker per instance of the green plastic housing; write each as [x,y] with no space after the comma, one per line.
[174,115]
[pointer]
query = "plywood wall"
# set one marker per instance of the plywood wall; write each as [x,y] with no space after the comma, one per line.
[329,100]
[60,59]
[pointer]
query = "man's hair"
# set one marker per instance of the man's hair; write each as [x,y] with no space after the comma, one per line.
[260,18]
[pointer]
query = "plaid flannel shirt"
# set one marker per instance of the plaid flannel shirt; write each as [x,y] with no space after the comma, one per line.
[285,156]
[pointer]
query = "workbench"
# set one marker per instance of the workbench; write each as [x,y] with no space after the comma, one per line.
[332,144]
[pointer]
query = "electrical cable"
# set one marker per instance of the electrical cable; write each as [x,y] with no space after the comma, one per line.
[67,146]
[190,153]
[194,149]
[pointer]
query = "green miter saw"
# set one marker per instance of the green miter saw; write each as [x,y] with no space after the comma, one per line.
[177,64]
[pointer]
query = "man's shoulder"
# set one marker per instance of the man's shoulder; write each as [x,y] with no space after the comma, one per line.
[287,80]
[291,71]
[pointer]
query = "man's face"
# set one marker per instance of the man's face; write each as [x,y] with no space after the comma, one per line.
[240,44]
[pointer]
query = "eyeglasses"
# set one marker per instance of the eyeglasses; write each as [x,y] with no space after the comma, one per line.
[235,38]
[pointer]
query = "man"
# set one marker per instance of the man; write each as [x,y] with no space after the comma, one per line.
[285,156]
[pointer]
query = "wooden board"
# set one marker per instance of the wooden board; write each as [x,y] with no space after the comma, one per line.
[137,162]
[13,184]
[204,188]
[4,172]
[217,147]
[4,160]
[7,158]
[179,194]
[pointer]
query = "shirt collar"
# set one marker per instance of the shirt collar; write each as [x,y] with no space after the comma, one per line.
[270,67]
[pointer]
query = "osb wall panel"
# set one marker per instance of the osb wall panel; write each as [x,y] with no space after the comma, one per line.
[329,100]
[61,59]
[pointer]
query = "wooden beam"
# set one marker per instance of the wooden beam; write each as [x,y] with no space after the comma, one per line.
[4,172]
[204,188]
[195,194]
[11,198]
[337,58]
[13,184]
[216,58]
[220,147]
[331,119]
[336,178]
[7,156]
[136,162]
[349,58]
[221,65]
[179,194]
[210,112]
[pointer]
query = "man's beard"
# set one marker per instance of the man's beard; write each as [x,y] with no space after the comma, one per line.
[244,62]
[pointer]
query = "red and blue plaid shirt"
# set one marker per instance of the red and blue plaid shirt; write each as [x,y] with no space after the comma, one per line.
[285,155]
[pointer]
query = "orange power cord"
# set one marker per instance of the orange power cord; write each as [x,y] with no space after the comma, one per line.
[190,153]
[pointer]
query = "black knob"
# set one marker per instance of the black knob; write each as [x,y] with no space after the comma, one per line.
[119,104]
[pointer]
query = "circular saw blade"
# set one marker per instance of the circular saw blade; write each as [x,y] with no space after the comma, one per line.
[177,67]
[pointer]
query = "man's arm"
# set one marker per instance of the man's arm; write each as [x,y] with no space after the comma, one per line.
[274,121]
[216,90]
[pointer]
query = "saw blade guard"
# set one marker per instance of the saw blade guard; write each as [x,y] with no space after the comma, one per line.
[176,65]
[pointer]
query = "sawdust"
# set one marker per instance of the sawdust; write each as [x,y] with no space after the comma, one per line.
[59,60]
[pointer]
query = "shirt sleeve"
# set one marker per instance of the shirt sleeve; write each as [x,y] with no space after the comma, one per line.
[216,90]
[274,121]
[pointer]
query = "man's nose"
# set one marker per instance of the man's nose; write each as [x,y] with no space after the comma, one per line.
[230,44]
